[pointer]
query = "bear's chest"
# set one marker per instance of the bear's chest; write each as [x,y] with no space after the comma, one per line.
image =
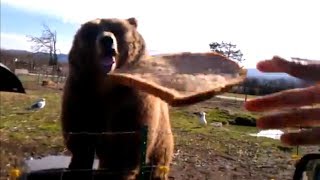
[123,108]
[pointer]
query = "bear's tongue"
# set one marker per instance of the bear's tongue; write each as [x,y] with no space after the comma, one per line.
[107,63]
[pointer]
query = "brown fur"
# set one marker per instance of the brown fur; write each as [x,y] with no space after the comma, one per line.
[91,103]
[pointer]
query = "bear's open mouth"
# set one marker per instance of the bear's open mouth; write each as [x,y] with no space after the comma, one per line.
[107,50]
[107,63]
[108,60]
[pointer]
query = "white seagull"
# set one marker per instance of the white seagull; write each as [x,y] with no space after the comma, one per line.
[202,118]
[38,104]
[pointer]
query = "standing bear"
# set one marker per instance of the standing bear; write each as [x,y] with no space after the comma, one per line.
[99,114]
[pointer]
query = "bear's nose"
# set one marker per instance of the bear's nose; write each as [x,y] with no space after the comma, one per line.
[106,42]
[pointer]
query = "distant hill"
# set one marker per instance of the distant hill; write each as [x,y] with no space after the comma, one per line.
[40,55]
[252,72]
[255,73]
[62,57]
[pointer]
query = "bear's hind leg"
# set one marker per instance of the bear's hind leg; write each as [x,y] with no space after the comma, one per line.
[161,160]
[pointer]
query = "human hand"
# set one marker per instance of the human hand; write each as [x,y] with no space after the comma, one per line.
[293,98]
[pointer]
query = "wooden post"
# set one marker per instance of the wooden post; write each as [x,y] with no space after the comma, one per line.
[144,134]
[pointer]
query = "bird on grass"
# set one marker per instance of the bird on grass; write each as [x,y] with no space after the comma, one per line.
[37,105]
[202,117]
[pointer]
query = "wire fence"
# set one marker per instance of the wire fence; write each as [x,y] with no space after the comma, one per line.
[145,171]
[101,173]
[87,174]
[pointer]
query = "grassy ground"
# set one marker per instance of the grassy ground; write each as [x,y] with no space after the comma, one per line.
[201,152]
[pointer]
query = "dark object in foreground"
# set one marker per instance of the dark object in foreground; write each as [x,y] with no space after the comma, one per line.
[9,82]
[66,174]
[310,165]
[244,121]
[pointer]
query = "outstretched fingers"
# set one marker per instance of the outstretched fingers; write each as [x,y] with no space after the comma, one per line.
[286,99]
[304,137]
[294,118]
[304,69]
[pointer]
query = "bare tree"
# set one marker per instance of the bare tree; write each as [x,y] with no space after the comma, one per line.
[46,43]
[228,49]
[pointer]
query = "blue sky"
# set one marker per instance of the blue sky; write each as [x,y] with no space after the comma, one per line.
[17,23]
[260,29]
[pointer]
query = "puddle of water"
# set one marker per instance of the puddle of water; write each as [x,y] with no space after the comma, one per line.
[52,162]
[271,133]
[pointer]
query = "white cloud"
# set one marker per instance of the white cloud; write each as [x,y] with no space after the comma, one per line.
[14,41]
[20,41]
[259,28]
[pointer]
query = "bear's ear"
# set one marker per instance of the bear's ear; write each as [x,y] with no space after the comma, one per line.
[133,21]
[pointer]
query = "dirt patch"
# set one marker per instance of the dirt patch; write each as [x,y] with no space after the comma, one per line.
[195,162]
[51,84]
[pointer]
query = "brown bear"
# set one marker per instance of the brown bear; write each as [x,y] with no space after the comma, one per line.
[96,112]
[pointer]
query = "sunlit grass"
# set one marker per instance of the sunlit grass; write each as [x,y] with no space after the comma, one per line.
[186,122]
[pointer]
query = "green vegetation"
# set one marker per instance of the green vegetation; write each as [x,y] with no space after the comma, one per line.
[23,126]
[25,133]
[184,121]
